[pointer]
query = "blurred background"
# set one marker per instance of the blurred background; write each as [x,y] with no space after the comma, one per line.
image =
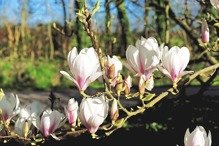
[36,35]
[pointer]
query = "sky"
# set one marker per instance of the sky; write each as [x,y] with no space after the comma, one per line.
[48,11]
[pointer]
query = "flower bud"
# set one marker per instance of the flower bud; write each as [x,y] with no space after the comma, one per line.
[205,32]
[149,84]
[71,111]
[113,67]
[25,129]
[198,137]
[119,85]
[141,85]
[114,112]
[128,84]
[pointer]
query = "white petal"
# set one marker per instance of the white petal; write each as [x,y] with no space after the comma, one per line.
[70,78]
[186,137]
[71,57]
[150,83]
[164,71]
[132,56]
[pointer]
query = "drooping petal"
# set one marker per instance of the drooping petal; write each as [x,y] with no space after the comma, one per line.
[70,78]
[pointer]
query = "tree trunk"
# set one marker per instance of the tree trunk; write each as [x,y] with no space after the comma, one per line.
[125,38]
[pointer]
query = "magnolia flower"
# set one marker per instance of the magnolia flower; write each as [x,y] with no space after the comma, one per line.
[113,67]
[71,111]
[114,112]
[49,122]
[92,112]
[83,66]
[9,107]
[127,84]
[144,57]
[174,63]
[26,116]
[215,4]
[198,137]
[205,32]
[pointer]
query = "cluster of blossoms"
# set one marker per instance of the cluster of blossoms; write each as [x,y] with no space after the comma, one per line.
[92,112]
[144,58]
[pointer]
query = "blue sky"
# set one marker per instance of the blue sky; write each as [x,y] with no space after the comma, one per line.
[47,11]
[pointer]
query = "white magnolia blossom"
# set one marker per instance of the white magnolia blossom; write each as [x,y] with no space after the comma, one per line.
[27,114]
[83,66]
[205,32]
[144,56]
[93,111]
[198,137]
[113,67]
[71,111]
[174,63]
[49,122]
[9,107]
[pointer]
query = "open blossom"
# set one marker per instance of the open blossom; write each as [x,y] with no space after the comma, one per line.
[174,63]
[93,111]
[83,66]
[205,32]
[49,122]
[144,57]
[198,137]
[113,67]
[9,107]
[71,111]
[27,114]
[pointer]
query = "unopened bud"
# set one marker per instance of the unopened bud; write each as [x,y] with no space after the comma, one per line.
[149,85]
[111,71]
[205,32]
[127,85]
[25,129]
[119,85]
[141,85]
[114,112]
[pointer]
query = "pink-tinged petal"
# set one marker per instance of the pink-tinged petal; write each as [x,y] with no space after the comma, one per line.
[198,137]
[71,57]
[70,78]
[83,69]
[71,111]
[128,81]
[164,71]
[132,56]
[45,125]
[92,108]
[94,123]
[91,79]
